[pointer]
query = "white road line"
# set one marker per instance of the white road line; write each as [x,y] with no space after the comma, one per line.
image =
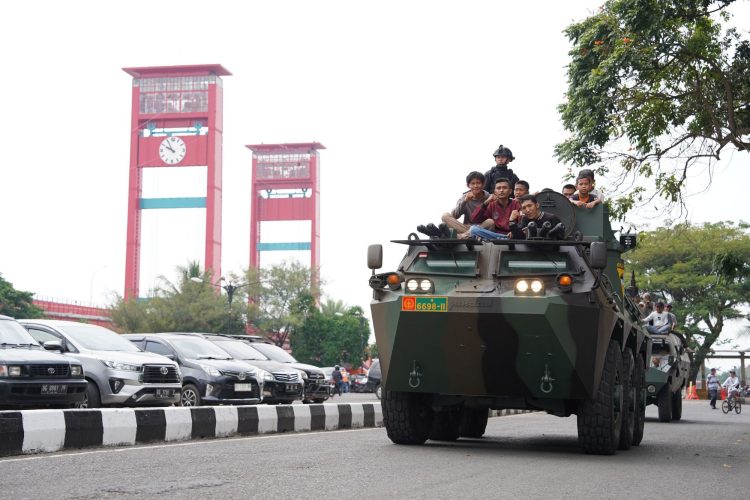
[190,443]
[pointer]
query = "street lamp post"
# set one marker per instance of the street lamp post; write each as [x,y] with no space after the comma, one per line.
[228,287]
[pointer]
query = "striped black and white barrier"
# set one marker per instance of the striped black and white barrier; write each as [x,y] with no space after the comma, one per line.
[38,431]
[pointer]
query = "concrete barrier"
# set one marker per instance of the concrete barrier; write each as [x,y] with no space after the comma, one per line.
[43,431]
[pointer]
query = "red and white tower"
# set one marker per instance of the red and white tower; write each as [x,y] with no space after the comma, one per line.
[176,121]
[285,187]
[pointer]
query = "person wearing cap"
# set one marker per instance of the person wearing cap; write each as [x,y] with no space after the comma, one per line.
[503,156]
[732,385]
[659,319]
[713,384]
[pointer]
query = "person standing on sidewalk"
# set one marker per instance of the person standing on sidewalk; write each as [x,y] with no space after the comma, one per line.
[337,378]
[712,382]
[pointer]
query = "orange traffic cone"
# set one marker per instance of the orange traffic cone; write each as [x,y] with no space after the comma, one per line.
[691,392]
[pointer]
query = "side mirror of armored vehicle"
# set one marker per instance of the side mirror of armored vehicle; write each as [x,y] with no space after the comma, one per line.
[670,360]
[598,254]
[374,257]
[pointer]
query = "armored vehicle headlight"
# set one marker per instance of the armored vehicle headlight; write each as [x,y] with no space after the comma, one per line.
[651,389]
[412,285]
[425,285]
[529,287]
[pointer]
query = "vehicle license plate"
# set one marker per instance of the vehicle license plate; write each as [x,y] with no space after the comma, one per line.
[243,387]
[164,393]
[54,389]
[292,387]
[424,304]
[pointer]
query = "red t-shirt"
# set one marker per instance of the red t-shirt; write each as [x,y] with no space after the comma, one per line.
[500,214]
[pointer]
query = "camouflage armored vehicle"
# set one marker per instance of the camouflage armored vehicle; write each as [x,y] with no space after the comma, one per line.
[667,375]
[465,326]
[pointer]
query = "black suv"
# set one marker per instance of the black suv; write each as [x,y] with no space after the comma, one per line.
[32,376]
[209,375]
[285,384]
[317,387]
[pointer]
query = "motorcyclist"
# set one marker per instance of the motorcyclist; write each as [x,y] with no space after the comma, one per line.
[503,156]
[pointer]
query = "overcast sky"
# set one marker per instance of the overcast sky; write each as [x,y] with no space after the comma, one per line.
[407,97]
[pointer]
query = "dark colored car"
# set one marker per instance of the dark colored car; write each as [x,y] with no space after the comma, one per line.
[32,376]
[209,375]
[285,384]
[317,387]
[373,379]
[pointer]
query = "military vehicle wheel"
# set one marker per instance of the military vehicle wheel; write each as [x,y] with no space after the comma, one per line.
[628,400]
[664,402]
[600,419]
[639,377]
[677,405]
[473,422]
[446,425]
[407,417]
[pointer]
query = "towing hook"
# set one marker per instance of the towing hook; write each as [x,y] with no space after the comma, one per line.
[415,376]
[546,385]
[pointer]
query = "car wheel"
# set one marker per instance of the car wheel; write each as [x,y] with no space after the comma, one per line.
[319,400]
[379,391]
[91,398]
[629,400]
[190,396]
[600,418]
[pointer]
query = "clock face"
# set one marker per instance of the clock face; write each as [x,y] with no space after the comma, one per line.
[172,150]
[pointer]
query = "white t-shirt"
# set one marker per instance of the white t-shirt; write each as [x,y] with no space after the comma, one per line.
[731,382]
[659,318]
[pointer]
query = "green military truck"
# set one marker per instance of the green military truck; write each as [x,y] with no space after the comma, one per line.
[465,326]
[668,375]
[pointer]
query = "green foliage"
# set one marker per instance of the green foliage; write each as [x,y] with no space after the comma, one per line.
[282,297]
[654,88]
[704,271]
[16,303]
[330,337]
[182,306]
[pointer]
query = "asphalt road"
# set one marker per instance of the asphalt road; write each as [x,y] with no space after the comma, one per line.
[705,455]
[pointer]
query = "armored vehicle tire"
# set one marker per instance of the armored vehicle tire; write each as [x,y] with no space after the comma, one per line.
[664,402]
[473,422]
[407,416]
[629,401]
[446,425]
[677,405]
[639,377]
[600,419]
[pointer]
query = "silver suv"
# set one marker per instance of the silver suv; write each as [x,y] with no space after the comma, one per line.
[119,373]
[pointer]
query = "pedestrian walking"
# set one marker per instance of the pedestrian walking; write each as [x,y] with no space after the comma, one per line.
[713,384]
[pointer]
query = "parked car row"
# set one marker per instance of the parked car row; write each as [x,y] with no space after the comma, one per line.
[359,383]
[94,367]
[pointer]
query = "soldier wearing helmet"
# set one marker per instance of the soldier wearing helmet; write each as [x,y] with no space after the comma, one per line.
[503,156]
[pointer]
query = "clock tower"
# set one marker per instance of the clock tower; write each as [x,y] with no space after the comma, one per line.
[176,121]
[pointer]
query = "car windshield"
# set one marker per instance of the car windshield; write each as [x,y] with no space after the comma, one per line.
[275,353]
[240,350]
[97,338]
[12,333]
[446,263]
[198,348]
[533,263]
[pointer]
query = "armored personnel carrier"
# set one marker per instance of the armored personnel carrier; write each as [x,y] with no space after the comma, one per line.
[668,375]
[465,326]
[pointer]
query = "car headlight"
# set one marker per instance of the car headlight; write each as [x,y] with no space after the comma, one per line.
[76,370]
[266,375]
[529,287]
[302,374]
[118,365]
[210,370]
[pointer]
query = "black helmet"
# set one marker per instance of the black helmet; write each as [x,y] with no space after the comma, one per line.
[503,151]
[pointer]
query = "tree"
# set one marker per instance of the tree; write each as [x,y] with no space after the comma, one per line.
[16,303]
[181,306]
[280,299]
[656,87]
[327,338]
[704,271]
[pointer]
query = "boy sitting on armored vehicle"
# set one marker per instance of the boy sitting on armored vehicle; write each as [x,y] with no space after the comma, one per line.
[466,205]
[534,223]
[521,189]
[584,198]
[498,207]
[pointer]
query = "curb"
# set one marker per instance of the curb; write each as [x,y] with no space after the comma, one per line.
[45,431]
[503,413]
